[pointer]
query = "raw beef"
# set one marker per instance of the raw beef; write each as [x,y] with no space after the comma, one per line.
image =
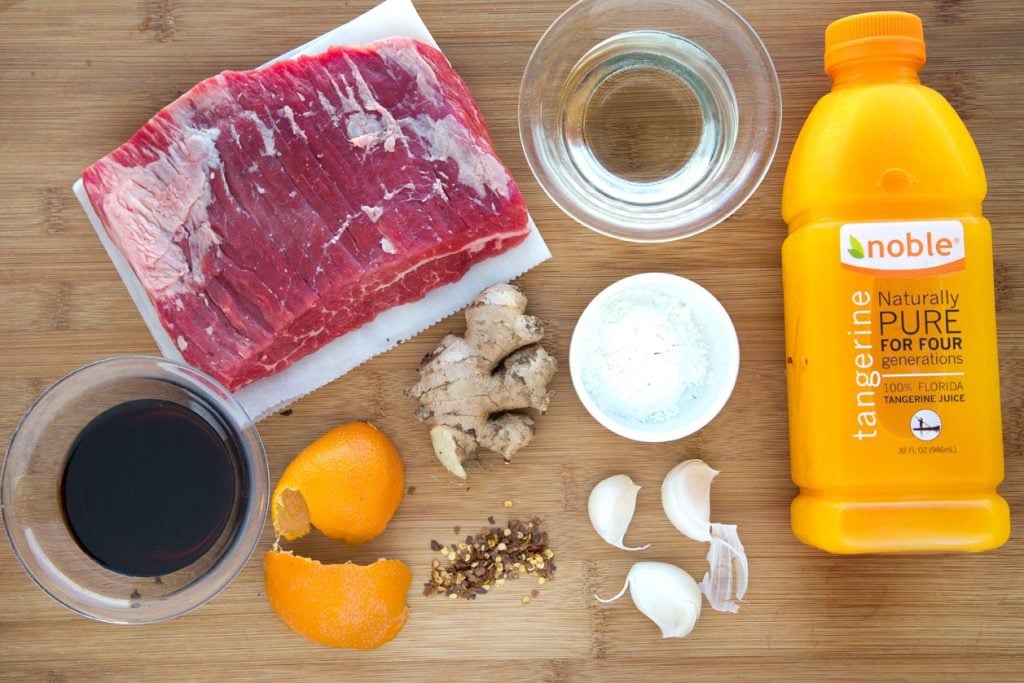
[268,212]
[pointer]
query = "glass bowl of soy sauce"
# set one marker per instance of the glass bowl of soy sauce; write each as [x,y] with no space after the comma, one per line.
[134,489]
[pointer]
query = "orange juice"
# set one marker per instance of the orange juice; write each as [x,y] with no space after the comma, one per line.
[893,377]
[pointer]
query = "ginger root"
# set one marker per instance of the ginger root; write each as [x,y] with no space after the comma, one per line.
[465,389]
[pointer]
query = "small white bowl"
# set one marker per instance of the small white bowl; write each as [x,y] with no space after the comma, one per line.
[719,337]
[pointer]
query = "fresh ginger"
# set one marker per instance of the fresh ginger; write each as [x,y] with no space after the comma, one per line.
[465,388]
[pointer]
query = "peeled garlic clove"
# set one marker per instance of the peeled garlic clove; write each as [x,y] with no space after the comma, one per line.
[686,497]
[726,580]
[665,594]
[611,507]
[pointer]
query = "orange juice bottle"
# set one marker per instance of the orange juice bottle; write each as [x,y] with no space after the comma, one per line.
[892,371]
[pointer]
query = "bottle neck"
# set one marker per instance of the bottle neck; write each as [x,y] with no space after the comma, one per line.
[872,71]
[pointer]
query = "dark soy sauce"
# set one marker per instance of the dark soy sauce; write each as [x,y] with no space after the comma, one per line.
[148,487]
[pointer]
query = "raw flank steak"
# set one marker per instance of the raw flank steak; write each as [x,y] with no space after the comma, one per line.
[268,212]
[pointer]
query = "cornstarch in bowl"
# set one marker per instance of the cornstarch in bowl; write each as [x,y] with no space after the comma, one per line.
[654,357]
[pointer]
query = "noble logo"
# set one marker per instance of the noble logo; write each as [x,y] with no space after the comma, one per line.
[902,248]
[856,249]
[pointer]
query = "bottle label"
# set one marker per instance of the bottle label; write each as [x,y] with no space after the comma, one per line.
[893,376]
[906,329]
[915,249]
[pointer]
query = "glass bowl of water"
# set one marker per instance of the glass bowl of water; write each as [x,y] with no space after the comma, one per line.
[134,490]
[650,120]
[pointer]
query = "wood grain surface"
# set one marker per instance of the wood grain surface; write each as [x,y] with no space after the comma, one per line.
[78,78]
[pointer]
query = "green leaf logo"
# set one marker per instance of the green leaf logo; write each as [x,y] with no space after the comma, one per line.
[856,249]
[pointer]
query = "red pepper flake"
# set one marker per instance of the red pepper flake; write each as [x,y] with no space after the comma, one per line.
[487,560]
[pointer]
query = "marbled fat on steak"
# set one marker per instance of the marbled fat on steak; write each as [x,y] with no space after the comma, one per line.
[268,212]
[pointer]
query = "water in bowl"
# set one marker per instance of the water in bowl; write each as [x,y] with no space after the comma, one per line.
[647,117]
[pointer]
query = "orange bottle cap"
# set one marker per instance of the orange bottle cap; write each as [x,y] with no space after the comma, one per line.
[874,35]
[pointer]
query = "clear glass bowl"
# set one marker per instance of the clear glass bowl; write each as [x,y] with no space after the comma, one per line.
[34,467]
[650,120]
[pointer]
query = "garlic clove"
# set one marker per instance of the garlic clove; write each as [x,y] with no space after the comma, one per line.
[726,580]
[611,506]
[686,497]
[665,594]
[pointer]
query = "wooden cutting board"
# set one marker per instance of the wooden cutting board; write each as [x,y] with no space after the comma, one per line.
[77,78]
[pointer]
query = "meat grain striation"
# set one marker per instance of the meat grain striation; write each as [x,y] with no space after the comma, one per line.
[268,212]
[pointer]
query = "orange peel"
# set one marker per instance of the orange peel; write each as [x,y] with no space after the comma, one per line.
[341,605]
[348,484]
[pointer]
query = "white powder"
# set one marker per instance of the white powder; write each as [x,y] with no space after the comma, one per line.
[645,356]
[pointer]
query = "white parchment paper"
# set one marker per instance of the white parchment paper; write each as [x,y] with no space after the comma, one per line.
[265,396]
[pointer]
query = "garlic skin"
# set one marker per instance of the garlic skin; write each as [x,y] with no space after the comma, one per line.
[726,579]
[665,594]
[686,497]
[611,506]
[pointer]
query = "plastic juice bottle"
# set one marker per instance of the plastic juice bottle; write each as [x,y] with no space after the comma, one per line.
[893,381]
